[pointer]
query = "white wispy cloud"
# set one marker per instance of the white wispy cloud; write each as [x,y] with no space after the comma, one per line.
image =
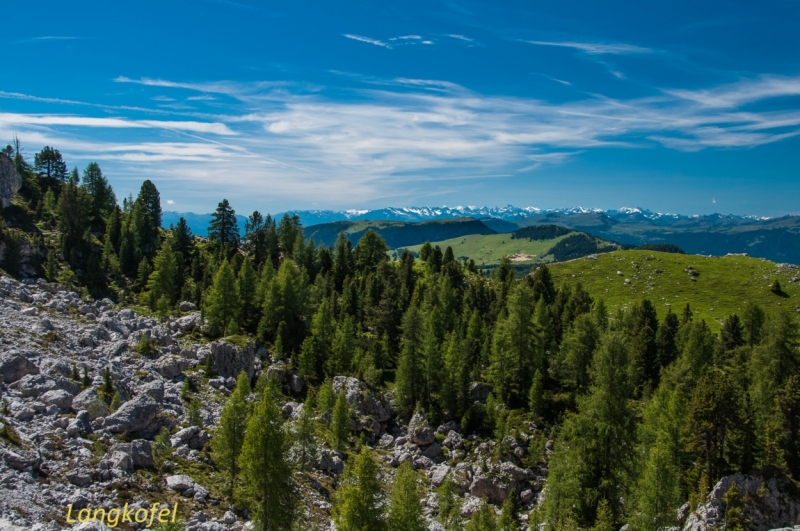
[368,40]
[114,123]
[389,139]
[460,37]
[595,48]
[55,38]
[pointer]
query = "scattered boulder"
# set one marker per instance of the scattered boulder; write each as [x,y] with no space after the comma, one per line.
[361,398]
[419,431]
[57,397]
[171,366]
[133,415]
[180,483]
[14,366]
[186,306]
[229,360]
[194,437]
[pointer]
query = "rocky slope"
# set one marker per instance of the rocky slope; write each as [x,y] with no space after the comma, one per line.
[61,445]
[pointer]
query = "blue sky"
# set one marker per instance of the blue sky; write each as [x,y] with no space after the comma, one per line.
[689,107]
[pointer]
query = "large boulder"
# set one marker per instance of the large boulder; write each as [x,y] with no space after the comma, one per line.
[419,431]
[134,415]
[138,451]
[88,400]
[192,436]
[171,366]
[57,397]
[14,366]
[37,384]
[362,399]
[229,360]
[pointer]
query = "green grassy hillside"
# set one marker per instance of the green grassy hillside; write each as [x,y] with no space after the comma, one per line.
[490,249]
[723,285]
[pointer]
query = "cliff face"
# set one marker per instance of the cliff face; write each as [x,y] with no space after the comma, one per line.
[10,181]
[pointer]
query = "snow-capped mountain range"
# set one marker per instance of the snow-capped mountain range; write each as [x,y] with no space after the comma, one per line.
[199,222]
[506,213]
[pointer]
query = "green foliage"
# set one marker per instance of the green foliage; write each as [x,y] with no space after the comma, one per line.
[449,506]
[409,378]
[193,412]
[358,502]
[222,302]
[304,441]
[268,488]
[107,390]
[223,229]
[405,509]
[340,422]
[483,519]
[229,434]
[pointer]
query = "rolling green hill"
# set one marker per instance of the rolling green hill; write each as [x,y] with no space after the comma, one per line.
[398,233]
[722,285]
[489,249]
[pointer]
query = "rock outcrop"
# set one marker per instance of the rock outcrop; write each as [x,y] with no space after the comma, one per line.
[10,180]
[769,503]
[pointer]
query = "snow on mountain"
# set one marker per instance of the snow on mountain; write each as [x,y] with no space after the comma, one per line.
[199,222]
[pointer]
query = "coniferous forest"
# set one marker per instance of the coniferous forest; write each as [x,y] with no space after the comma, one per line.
[622,417]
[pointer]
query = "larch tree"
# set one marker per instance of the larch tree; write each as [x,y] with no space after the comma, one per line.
[410,376]
[268,487]
[222,300]
[405,509]
[162,286]
[358,503]
[228,439]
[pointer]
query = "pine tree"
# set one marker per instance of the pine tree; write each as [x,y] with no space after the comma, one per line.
[304,441]
[342,265]
[714,414]
[316,348]
[326,400]
[73,210]
[432,363]
[508,520]
[449,506]
[246,287]
[163,281]
[786,419]
[224,229]
[102,196]
[592,459]
[405,509]
[657,492]
[151,200]
[357,504]
[49,163]
[268,488]
[222,300]
[340,422]
[229,435]
[605,518]
[536,395]
[285,301]
[483,520]
[409,379]
[338,362]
